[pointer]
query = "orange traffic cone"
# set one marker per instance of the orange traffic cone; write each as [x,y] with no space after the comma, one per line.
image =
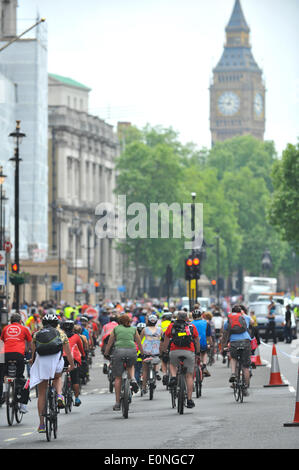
[296,417]
[258,361]
[275,378]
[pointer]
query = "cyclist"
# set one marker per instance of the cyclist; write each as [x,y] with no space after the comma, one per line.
[166,320]
[77,350]
[138,367]
[184,342]
[123,337]
[34,322]
[236,332]
[218,322]
[14,337]
[204,332]
[50,365]
[151,345]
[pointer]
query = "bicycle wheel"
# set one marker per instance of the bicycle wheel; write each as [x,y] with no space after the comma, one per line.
[18,414]
[48,418]
[151,390]
[10,403]
[181,394]
[198,383]
[173,397]
[125,398]
[111,384]
[241,387]
[65,393]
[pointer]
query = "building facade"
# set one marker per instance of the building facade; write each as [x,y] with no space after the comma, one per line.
[237,92]
[82,153]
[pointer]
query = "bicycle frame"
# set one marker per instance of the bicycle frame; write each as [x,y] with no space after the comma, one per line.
[181,385]
[239,384]
[12,406]
[198,377]
[151,375]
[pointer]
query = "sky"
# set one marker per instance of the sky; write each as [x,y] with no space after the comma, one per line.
[151,61]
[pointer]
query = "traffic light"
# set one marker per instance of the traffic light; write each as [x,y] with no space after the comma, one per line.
[196,267]
[189,269]
[15,268]
[97,286]
[214,283]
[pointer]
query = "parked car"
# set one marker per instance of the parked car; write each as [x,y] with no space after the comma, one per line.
[261,311]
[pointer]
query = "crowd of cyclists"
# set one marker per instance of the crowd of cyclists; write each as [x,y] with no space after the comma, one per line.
[56,339]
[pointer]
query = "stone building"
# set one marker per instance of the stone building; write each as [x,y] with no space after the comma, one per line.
[82,153]
[237,92]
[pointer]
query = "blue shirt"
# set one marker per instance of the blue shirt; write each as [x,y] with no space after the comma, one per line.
[85,332]
[241,336]
[203,329]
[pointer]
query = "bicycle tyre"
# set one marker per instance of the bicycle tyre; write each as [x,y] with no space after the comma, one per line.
[65,394]
[48,417]
[111,385]
[18,414]
[151,390]
[181,394]
[10,406]
[125,399]
[198,383]
[173,397]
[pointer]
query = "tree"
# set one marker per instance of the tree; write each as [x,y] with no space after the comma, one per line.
[284,207]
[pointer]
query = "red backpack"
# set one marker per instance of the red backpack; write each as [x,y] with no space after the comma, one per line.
[237,324]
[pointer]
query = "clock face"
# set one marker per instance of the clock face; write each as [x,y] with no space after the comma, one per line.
[258,104]
[229,103]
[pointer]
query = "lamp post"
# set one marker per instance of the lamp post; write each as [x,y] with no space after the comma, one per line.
[17,135]
[266,261]
[2,197]
[218,267]
[59,213]
[89,233]
[76,232]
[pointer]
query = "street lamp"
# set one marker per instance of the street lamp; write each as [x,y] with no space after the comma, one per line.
[266,261]
[89,233]
[59,212]
[2,198]
[76,230]
[18,136]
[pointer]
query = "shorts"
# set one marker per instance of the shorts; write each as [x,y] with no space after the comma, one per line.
[189,361]
[117,364]
[246,353]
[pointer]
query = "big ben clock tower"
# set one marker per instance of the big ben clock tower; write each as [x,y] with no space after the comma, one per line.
[237,94]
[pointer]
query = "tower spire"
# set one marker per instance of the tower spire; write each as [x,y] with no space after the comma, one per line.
[237,20]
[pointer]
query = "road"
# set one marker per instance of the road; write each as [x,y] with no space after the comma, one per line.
[217,421]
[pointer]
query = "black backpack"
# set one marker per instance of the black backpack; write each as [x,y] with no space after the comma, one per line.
[182,334]
[48,341]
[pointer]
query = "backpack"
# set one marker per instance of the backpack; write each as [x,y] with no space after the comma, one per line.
[237,324]
[182,334]
[48,341]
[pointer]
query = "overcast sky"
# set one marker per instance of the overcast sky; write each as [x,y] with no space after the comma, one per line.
[151,60]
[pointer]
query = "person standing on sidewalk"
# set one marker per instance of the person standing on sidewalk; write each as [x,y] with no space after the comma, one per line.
[271,326]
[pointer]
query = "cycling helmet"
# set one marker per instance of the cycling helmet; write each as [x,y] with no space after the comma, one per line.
[67,325]
[50,319]
[84,319]
[152,319]
[140,326]
[196,314]
[167,315]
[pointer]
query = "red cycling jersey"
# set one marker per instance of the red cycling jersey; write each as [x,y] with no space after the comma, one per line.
[14,337]
[76,348]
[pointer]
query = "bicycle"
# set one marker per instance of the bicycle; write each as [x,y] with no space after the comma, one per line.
[110,378]
[151,375]
[51,411]
[198,377]
[67,391]
[125,393]
[13,407]
[239,383]
[181,391]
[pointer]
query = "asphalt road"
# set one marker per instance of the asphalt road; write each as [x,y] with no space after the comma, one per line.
[217,421]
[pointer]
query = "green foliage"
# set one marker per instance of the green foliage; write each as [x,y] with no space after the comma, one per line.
[284,207]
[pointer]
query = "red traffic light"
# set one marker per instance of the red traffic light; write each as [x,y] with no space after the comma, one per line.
[96,284]
[189,262]
[196,261]
[213,282]
[15,267]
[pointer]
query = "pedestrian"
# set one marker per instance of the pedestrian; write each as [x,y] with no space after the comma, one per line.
[271,325]
[288,324]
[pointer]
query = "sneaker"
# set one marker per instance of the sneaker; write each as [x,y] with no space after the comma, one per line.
[206,373]
[23,408]
[134,386]
[172,382]
[190,404]
[158,377]
[232,378]
[165,379]
[60,401]
[77,402]
[116,407]
[41,429]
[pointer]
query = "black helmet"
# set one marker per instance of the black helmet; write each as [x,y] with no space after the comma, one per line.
[196,314]
[67,325]
[50,319]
